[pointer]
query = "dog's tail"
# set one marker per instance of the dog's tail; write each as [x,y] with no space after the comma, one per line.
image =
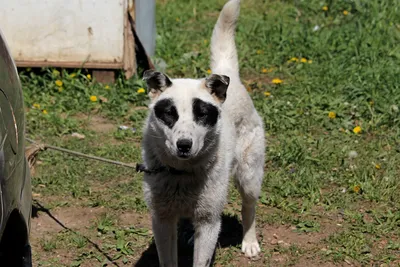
[224,58]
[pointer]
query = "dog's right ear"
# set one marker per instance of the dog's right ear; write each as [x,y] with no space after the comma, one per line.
[157,82]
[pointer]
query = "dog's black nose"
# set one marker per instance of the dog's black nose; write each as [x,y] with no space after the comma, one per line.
[184,145]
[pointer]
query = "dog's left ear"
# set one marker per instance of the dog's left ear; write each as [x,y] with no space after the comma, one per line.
[217,86]
[157,82]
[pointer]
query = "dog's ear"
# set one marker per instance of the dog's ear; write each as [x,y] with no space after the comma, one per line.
[217,86]
[157,82]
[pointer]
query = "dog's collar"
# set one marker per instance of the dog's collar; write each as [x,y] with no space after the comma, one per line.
[142,168]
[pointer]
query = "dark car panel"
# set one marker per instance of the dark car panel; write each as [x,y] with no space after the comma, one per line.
[15,182]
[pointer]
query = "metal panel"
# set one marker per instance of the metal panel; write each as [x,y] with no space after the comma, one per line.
[65,32]
[146,24]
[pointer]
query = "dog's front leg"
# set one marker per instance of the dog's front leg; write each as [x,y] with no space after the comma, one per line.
[205,240]
[165,234]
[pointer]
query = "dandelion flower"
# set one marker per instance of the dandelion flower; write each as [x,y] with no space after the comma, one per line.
[264,70]
[36,105]
[357,189]
[44,112]
[72,75]
[93,98]
[107,87]
[208,71]
[325,8]
[309,61]
[357,130]
[294,59]
[377,166]
[141,91]
[267,94]
[277,81]
[56,73]
[345,12]
[332,115]
[303,60]
[89,76]
[59,83]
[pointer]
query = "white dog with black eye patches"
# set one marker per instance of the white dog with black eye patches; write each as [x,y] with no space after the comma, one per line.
[198,133]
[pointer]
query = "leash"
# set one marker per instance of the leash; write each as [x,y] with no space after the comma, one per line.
[139,167]
[79,154]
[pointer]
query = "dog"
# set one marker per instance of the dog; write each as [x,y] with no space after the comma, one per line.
[198,133]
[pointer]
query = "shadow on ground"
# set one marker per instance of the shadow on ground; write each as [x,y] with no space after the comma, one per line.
[231,235]
[37,207]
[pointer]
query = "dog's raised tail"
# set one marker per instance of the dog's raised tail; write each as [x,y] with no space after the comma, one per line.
[224,58]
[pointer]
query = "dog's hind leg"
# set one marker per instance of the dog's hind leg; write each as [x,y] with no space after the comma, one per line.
[249,176]
[165,235]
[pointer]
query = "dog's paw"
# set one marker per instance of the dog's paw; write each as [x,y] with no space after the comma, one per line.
[250,249]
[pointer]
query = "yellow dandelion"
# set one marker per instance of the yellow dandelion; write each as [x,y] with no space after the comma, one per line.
[72,75]
[264,70]
[303,60]
[60,89]
[377,166]
[294,59]
[44,112]
[141,91]
[332,115]
[357,130]
[259,52]
[277,81]
[357,189]
[267,94]
[107,87]
[56,73]
[36,105]
[309,61]
[208,71]
[89,76]
[93,98]
[325,8]
[345,12]
[59,83]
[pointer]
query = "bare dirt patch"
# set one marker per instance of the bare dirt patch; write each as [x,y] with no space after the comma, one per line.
[71,217]
[286,236]
[101,125]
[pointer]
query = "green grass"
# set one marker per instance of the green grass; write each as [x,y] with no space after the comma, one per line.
[320,175]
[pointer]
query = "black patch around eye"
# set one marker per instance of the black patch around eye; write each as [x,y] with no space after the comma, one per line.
[205,113]
[165,110]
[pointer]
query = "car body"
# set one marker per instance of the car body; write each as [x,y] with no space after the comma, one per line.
[15,181]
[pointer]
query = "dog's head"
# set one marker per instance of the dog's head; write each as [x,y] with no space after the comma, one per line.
[185,113]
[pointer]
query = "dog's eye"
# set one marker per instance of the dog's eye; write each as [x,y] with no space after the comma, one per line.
[202,115]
